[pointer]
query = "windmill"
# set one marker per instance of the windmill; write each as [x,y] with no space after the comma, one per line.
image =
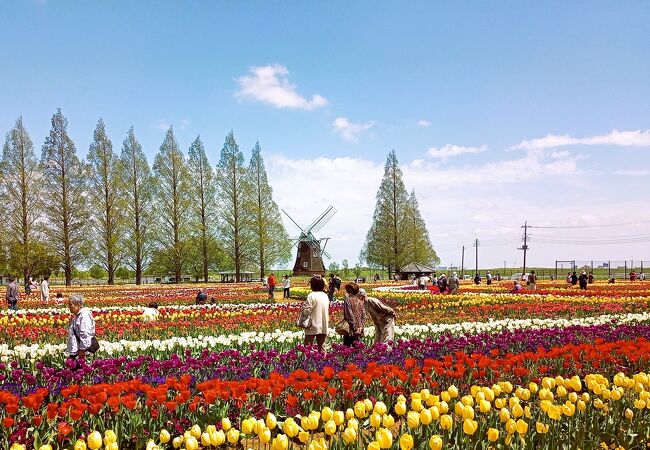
[309,259]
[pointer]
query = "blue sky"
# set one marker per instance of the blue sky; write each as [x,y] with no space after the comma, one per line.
[466,93]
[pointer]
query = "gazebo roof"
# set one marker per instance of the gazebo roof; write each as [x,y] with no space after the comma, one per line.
[416,268]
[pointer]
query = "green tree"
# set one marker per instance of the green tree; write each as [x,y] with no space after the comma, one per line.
[64,180]
[22,197]
[139,190]
[97,273]
[104,191]
[387,240]
[173,205]
[333,267]
[271,240]
[419,245]
[204,210]
[122,273]
[346,268]
[234,218]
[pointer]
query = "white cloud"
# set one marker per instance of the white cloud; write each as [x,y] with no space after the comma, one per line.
[636,138]
[450,150]
[423,123]
[632,173]
[270,84]
[481,218]
[348,130]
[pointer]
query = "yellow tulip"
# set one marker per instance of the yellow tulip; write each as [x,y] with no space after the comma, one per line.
[413,419]
[225,424]
[522,427]
[581,405]
[568,409]
[388,421]
[511,426]
[492,434]
[517,411]
[468,412]
[271,422]
[94,440]
[17,446]
[349,413]
[247,426]
[374,445]
[326,414]
[177,442]
[445,396]
[353,423]
[318,444]
[425,417]
[435,443]
[349,435]
[232,435]
[629,414]
[467,400]
[315,417]
[375,420]
[384,437]
[400,408]
[339,417]
[110,437]
[290,427]
[45,447]
[504,415]
[205,439]
[443,407]
[303,436]
[164,436]
[217,437]
[453,391]
[533,387]
[576,384]
[196,431]
[470,426]
[638,403]
[446,422]
[80,445]
[380,408]
[265,436]
[541,428]
[191,443]
[561,391]
[406,442]
[554,412]
[360,409]
[114,446]
[280,442]
[330,427]
[484,406]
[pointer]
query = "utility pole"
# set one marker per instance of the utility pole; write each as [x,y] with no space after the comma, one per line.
[525,246]
[476,245]
[462,265]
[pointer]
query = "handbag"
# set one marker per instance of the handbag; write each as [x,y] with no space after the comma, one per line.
[304,319]
[342,327]
[94,343]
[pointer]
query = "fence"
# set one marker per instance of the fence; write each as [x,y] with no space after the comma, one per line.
[603,269]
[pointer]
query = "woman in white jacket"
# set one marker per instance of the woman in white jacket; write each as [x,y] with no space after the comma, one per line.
[317,305]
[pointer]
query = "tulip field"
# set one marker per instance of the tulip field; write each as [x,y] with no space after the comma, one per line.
[555,368]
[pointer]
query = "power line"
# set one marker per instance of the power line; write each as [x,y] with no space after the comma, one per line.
[591,226]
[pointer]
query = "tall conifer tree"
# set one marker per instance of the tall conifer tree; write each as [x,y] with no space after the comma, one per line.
[387,240]
[21,196]
[234,217]
[420,249]
[204,202]
[65,200]
[271,240]
[173,205]
[105,192]
[139,193]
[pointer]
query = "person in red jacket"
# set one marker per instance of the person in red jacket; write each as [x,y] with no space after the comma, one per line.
[271,283]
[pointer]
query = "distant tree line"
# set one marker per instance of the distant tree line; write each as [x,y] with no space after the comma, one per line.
[114,212]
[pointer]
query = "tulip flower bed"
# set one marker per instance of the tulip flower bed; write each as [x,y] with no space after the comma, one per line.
[484,369]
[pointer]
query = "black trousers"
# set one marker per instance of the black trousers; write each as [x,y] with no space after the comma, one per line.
[286,293]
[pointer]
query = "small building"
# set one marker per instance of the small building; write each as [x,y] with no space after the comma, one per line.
[231,277]
[407,272]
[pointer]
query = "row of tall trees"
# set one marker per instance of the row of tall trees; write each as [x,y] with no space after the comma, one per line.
[114,210]
[398,234]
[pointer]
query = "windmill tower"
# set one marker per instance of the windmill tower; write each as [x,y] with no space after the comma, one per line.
[309,259]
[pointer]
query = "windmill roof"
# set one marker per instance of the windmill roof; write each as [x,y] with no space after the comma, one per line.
[414,267]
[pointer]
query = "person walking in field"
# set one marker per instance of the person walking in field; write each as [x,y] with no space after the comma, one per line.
[477,278]
[272,284]
[488,278]
[81,331]
[315,311]
[382,316]
[574,279]
[454,283]
[12,294]
[286,286]
[532,280]
[583,280]
[354,313]
[45,289]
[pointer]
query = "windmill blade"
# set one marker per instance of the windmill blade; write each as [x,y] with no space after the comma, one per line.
[321,220]
[323,243]
[294,222]
[325,254]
